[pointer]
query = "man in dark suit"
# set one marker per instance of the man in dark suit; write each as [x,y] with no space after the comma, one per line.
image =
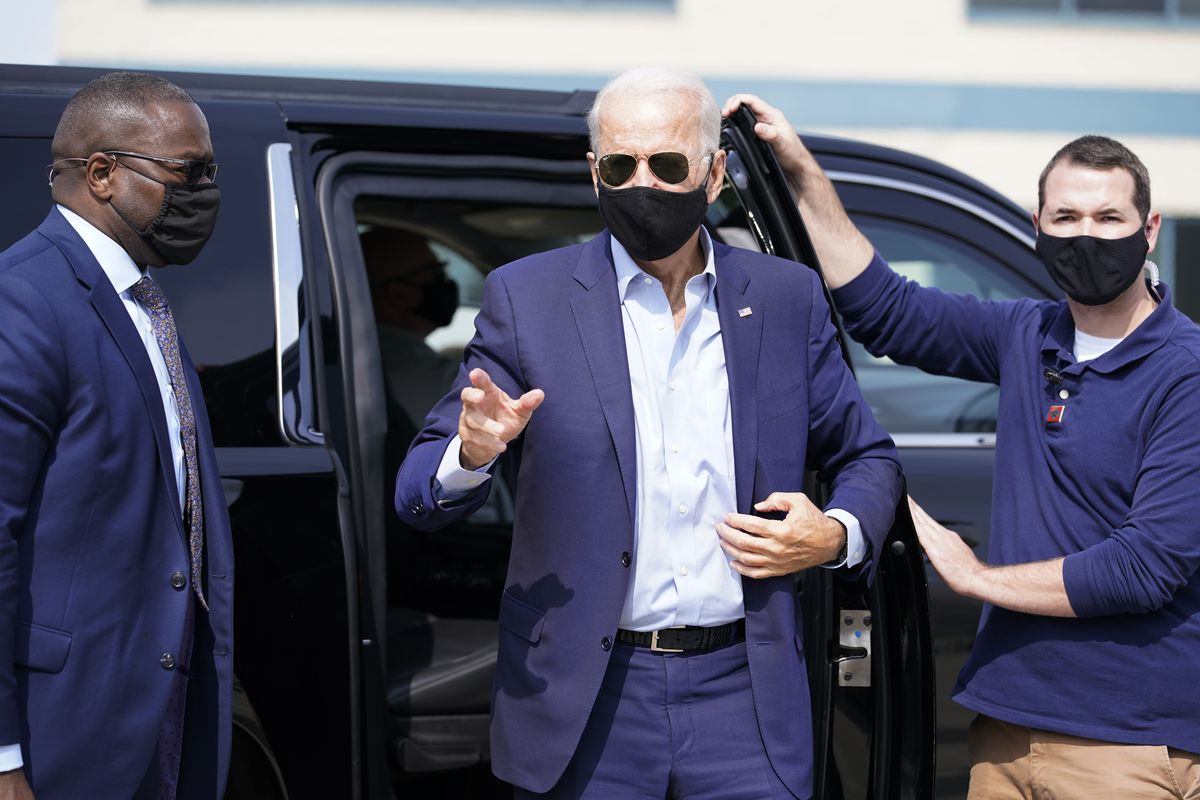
[655,389]
[115,553]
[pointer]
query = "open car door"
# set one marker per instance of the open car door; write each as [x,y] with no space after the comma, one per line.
[869,648]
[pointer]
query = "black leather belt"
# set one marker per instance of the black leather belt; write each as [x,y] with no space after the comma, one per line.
[685,638]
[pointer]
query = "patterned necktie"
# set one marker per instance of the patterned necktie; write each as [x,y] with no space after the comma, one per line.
[147,292]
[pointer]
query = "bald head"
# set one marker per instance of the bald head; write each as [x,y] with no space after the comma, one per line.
[106,113]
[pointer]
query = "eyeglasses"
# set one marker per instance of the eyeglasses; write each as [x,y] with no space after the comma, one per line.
[193,172]
[617,168]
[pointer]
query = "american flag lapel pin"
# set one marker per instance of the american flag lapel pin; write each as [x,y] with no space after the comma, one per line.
[1055,416]
[745,312]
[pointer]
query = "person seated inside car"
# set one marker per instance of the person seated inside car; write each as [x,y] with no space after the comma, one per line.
[412,297]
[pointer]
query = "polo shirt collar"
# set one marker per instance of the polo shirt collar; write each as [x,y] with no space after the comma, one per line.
[1143,340]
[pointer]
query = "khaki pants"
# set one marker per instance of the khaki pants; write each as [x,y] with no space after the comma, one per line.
[1012,762]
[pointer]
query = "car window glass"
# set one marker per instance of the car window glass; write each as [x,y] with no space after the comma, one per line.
[904,399]
[467,239]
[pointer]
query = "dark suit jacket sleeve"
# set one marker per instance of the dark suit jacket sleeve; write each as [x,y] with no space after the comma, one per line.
[32,372]
[493,348]
[846,446]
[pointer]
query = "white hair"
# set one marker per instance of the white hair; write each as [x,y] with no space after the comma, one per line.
[662,80]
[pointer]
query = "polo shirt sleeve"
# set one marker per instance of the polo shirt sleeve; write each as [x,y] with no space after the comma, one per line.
[947,334]
[1141,566]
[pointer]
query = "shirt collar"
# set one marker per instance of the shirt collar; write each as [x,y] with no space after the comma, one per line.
[627,269]
[1143,340]
[113,259]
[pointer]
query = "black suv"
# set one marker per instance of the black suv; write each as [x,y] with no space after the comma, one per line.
[365,650]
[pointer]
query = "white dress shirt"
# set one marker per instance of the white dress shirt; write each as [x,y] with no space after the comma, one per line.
[123,274]
[684,433]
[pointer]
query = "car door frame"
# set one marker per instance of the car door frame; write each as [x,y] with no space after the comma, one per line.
[904,724]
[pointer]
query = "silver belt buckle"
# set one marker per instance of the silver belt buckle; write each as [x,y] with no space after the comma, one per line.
[654,648]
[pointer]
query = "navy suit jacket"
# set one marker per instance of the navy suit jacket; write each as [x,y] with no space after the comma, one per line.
[90,534]
[553,321]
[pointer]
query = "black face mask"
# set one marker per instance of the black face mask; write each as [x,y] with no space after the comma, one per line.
[652,223]
[184,223]
[438,301]
[1093,271]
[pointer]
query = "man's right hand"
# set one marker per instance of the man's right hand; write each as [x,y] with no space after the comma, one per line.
[13,786]
[842,249]
[490,419]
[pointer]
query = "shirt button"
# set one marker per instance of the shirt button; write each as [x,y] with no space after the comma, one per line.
[606,643]
[682,508]
[647,279]
[661,326]
[167,660]
[626,559]
[673,385]
[683,571]
[674,448]
[1064,394]
[177,580]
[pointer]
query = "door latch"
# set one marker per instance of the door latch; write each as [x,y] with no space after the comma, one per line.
[854,641]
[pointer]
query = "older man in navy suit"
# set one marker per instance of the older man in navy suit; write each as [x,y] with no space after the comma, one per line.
[115,553]
[657,392]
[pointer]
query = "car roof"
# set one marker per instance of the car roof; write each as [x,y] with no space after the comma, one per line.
[314,100]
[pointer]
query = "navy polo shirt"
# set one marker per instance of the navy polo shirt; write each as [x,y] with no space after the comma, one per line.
[1102,468]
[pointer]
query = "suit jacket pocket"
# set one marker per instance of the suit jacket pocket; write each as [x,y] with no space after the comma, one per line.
[781,403]
[41,648]
[521,618]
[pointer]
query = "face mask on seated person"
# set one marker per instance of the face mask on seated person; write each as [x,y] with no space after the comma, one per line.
[438,302]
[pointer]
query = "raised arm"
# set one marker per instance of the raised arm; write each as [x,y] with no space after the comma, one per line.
[486,409]
[843,250]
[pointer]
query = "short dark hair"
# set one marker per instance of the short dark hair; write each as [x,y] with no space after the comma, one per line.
[102,112]
[1102,153]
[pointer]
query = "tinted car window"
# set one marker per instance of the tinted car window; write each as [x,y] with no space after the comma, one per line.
[904,399]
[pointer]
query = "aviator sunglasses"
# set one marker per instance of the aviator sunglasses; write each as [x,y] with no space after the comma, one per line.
[617,168]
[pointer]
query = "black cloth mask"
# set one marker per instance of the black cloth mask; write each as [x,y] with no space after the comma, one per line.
[1093,271]
[652,223]
[438,301]
[185,222]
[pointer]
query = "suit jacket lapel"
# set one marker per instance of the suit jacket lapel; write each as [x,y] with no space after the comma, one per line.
[116,319]
[597,309]
[741,337]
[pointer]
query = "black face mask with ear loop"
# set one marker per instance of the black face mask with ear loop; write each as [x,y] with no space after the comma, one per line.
[185,222]
[652,223]
[1093,271]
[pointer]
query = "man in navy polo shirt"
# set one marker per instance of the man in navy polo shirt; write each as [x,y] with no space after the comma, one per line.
[1086,667]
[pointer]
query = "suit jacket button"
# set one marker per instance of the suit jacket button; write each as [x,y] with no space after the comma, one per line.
[606,643]
[167,660]
[626,559]
[177,580]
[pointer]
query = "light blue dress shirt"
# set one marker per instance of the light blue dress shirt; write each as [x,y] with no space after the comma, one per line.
[684,432]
